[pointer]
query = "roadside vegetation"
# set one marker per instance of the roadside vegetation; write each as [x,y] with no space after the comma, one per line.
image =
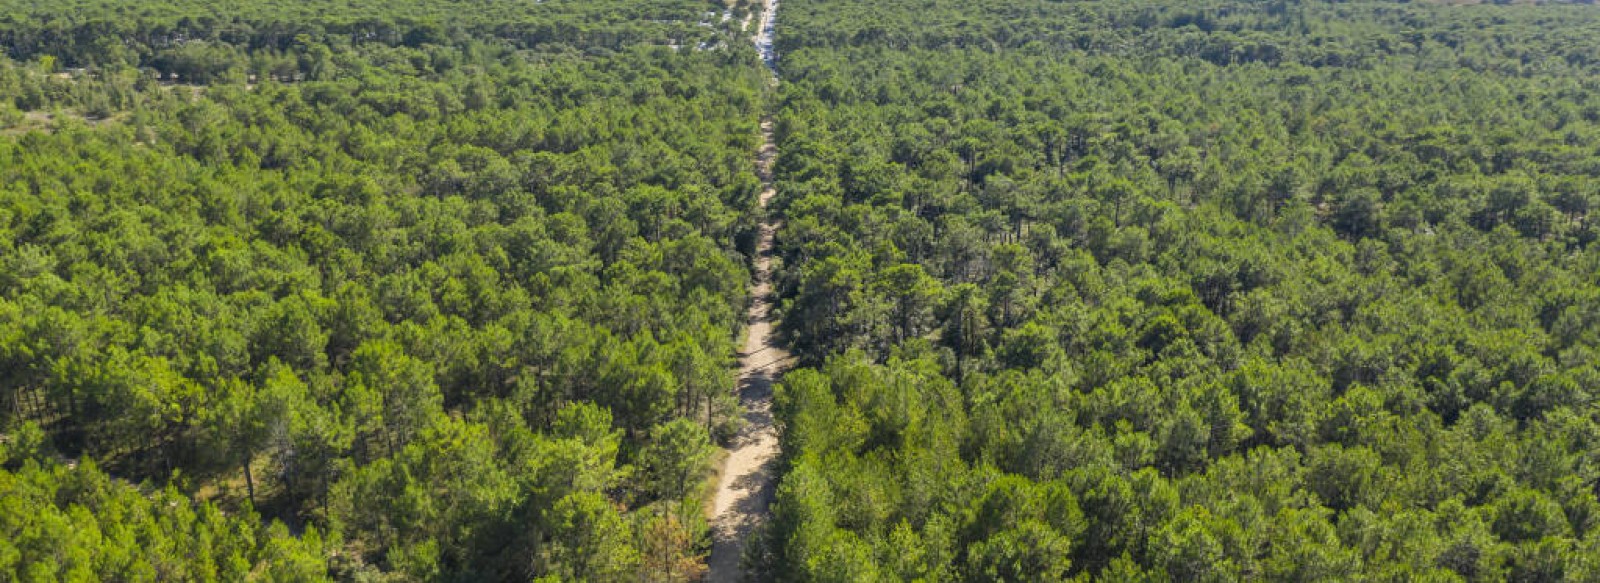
[385,290]
[1198,291]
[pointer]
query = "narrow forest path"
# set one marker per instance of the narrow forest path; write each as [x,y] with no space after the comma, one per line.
[749,473]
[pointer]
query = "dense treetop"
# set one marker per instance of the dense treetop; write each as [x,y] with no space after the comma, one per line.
[449,305]
[1220,31]
[1148,290]
[339,12]
[1188,291]
[158,35]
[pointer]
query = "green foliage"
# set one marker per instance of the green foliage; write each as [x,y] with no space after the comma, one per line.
[73,522]
[1104,289]
[674,460]
[455,282]
[1293,291]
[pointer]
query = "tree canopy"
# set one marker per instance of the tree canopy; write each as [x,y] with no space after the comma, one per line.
[1198,291]
[439,291]
[1148,290]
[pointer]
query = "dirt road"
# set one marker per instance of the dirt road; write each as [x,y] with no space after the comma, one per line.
[746,489]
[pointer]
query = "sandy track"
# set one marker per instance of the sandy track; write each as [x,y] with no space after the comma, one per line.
[748,476]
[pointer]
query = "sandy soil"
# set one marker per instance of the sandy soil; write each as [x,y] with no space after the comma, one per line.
[746,488]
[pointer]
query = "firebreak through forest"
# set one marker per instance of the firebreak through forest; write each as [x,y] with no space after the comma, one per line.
[1121,290]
